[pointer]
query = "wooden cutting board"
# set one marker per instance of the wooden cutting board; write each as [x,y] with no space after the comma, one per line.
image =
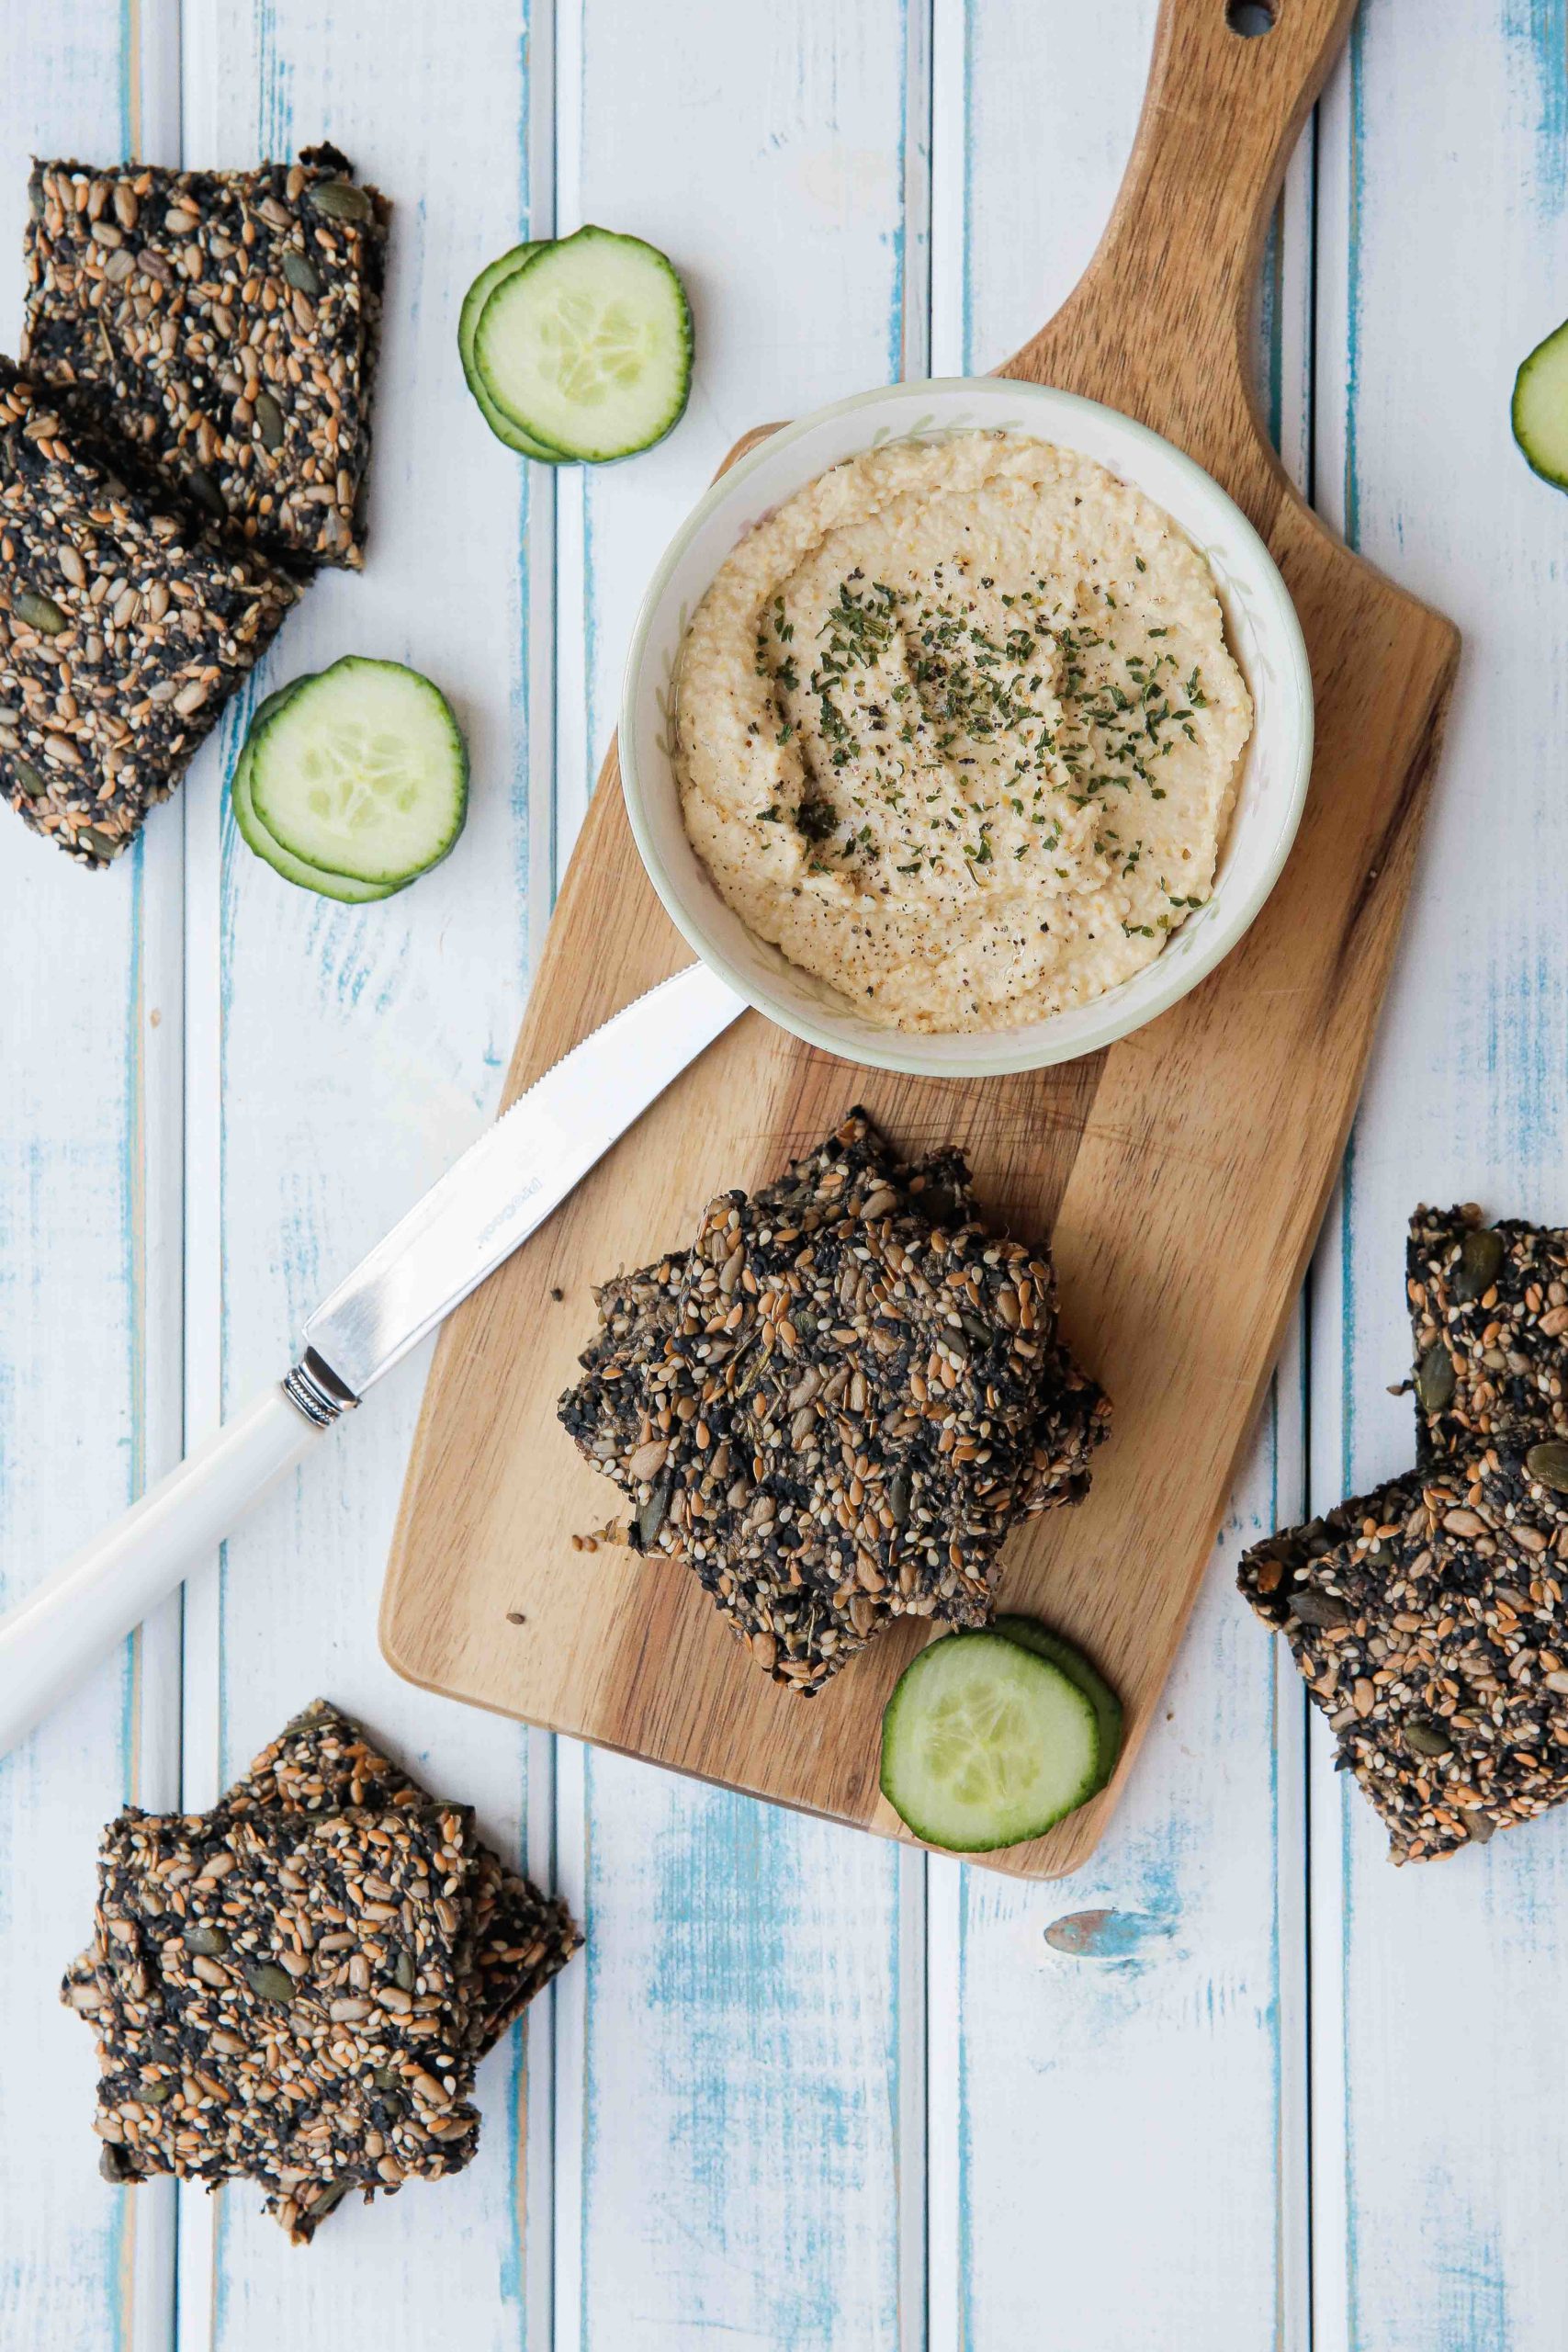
[1184,1173]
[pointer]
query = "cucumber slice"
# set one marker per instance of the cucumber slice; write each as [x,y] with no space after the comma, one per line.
[1541,408]
[474,301]
[984,1744]
[255,836]
[1076,1666]
[362,772]
[588,345]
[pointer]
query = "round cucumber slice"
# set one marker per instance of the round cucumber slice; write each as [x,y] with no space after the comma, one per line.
[1077,1667]
[255,834]
[362,772]
[1541,408]
[985,1744]
[293,869]
[474,301]
[587,346]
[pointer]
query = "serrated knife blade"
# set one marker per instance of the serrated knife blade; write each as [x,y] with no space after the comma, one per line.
[500,1192]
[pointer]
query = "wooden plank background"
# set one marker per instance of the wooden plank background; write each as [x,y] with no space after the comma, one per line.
[802,2091]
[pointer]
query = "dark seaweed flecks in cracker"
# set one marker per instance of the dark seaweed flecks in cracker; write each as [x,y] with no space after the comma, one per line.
[226,326]
[856,1399]
[1489,1321]
[1429,1622]
[125,624]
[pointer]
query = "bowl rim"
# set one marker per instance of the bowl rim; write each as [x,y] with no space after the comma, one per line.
[954,1053]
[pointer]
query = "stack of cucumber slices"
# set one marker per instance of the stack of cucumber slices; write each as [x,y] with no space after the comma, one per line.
[990,1737]
[353,782]
[578,350]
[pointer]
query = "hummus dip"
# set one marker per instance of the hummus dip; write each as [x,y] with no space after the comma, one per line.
[958,730]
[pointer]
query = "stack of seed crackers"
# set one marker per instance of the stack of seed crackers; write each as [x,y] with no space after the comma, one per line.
[834,1406]
[295,1988]
[185,440]
[1429,1618]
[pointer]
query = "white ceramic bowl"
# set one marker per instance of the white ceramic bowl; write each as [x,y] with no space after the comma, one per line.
[1260,623]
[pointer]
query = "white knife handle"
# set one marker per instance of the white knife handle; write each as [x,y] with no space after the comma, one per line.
[93,1599]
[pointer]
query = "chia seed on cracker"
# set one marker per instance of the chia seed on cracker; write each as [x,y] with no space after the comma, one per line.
[226,325]
[1427,1620]
[124,627]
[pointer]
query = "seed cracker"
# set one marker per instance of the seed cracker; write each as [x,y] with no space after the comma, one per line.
[1489,1316]
[1429,1622]
[515,1939]
[323,1762]
[125,625]
[637,1312]
[226,325]
[802,1616]
[284,1998]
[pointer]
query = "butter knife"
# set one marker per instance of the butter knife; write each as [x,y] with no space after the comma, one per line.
[500,1192]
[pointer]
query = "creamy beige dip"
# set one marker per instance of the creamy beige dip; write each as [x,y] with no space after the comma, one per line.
[957,728]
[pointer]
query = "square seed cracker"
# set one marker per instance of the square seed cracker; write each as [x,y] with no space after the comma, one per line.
[226,325]
[1427,1620]
[1489,1316]
[516,1938]
[283,1998]
[125,625]
[801,1618]
[323,1762]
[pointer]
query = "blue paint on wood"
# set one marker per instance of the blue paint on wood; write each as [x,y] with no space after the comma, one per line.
[1538,30]
[1467,2272]
[736,1909]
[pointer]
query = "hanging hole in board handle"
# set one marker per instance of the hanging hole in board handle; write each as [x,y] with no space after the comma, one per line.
[1250,17]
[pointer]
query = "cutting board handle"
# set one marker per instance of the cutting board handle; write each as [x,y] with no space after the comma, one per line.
[1166,301]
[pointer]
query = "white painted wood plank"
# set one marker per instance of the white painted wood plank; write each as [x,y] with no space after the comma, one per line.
[339,1059]
[89,1358]
[1118,2127]
[734,2150]
[158,1221]
[1442,2156]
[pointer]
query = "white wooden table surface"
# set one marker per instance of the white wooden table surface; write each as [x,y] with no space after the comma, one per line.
[802,2091]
